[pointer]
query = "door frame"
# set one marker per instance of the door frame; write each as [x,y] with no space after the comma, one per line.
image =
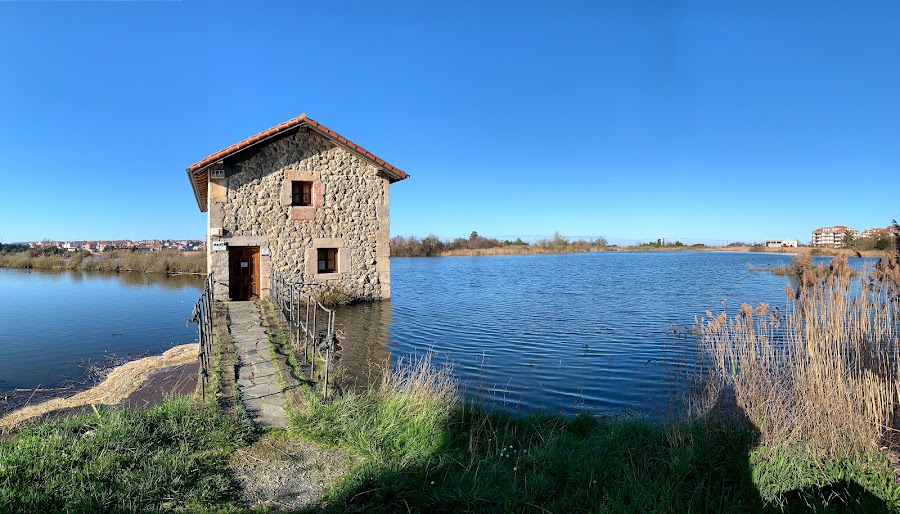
[235,254]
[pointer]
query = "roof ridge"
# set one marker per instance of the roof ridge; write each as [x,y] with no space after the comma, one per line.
[397,173]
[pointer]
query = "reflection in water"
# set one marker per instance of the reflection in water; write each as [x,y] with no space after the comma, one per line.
[75,276]
[168,282]
[53,320]
[127,278]
[363,333]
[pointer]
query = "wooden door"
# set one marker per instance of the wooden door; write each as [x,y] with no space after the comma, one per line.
[243,272]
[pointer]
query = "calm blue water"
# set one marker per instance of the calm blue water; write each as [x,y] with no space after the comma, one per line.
[557,332]
[554,332]
[51,321]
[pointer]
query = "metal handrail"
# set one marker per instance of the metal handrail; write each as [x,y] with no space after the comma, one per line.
[302,312]
[202,315]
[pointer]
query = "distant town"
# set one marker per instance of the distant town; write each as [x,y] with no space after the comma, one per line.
[840,236]
[146,245]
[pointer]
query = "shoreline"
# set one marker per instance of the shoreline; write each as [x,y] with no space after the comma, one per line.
[169,263]
[97,270]
[525,250]
[117,388]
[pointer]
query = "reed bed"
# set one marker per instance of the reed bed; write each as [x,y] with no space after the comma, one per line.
[169,262]
[825,374]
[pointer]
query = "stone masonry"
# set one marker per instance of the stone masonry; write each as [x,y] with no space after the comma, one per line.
[349,212]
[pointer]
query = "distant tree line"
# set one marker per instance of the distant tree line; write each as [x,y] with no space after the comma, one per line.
[662,243]
[32,252]
[882,242]
[431,245]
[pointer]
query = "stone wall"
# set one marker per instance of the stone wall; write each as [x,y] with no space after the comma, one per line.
[349,212]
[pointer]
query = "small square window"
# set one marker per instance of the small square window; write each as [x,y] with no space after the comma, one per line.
[301,193]
[327,258]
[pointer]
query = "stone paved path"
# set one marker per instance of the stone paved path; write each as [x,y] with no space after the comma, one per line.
[260,392]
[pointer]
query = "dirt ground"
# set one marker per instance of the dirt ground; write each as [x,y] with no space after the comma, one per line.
[282,473]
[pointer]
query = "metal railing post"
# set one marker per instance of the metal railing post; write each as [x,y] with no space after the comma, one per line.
[306,334]
[315,343]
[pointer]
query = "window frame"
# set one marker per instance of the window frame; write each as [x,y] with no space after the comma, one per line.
[299,190]
[330,256]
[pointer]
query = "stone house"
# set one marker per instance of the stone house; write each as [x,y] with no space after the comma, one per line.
[300,199]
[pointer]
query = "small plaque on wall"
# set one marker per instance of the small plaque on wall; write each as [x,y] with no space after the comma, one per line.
[264,252]
[219,246]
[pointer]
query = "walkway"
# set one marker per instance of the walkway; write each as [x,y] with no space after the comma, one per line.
[256,379]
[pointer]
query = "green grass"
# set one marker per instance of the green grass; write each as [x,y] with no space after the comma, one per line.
[437,456]
[172,457]
[471,460]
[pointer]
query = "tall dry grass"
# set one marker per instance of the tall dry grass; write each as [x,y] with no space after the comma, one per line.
[825,374]
[170,262]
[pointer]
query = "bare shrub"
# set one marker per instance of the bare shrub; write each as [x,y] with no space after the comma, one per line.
[825,374]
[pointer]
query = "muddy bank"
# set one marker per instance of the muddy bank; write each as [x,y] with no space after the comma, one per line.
[140,383]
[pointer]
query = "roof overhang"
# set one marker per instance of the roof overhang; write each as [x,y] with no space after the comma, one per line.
[198,173]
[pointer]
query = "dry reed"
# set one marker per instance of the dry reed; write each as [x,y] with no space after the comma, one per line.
[421,380]
[169,262]
[825,374]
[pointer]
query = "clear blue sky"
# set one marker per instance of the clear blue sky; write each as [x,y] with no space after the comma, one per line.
[632,120]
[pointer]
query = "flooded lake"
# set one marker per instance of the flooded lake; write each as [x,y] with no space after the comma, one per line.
[51,321]
[554,332]
[561,333]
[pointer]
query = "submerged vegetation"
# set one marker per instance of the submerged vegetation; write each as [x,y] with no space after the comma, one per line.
[170,262]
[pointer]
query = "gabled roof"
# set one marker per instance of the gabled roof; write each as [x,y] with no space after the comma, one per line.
[198,173]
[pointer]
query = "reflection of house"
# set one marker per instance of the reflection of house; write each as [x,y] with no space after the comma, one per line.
[302,199]
[781,243]
[832,236]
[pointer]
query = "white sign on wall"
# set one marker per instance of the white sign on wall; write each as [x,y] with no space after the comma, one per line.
[219,246]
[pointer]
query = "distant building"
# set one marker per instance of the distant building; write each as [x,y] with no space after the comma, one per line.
[832,237]
[781,243]
[875,233]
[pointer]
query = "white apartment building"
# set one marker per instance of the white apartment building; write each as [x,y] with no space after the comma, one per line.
[832,237]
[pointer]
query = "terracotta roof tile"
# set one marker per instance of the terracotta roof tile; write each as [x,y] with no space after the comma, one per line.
[197,171]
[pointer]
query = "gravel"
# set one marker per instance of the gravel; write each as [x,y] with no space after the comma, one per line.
[280,473]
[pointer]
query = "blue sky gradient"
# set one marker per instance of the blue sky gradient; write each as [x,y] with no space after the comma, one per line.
[700,121]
